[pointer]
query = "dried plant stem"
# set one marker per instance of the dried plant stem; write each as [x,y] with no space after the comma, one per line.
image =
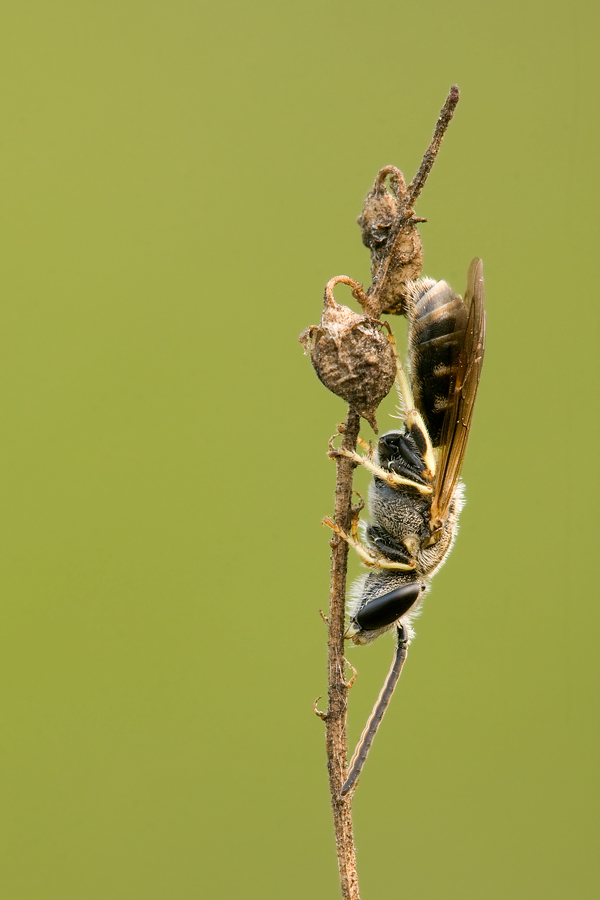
[446,113]
[349,356]
[335,721]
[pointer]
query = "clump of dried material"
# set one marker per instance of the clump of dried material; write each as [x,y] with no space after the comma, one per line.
[389,230]
[389,226]
[351,355]
[380,212]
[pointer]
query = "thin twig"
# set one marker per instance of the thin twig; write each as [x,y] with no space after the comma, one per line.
[336,730]
[366,739]
[446,113]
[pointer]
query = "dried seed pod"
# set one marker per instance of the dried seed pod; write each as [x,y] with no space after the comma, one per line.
[380,212]
[401,266]
[351,355]
[389,231]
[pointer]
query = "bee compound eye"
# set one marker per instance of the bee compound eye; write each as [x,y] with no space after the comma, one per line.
[388,608]
[389,439]
[388,445]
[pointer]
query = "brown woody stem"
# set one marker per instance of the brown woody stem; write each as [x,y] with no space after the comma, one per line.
[336,730]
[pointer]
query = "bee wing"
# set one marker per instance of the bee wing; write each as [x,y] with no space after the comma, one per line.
[459,413]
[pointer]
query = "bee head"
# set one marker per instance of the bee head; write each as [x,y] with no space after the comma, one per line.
[398,452]
[390,447]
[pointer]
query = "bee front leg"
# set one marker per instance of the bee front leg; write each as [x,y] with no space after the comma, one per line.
[389,477]
[361,443]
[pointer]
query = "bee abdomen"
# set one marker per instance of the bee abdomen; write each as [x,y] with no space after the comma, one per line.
[437,328]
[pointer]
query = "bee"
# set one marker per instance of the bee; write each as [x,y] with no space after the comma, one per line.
[416,494]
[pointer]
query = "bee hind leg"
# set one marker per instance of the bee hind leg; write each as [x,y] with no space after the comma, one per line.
[412,417]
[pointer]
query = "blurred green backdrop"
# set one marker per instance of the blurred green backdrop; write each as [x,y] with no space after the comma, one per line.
[179,180]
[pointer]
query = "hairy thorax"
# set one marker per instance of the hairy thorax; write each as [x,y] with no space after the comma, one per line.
[405,515]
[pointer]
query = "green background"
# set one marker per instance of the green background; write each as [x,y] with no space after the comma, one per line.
[178,182]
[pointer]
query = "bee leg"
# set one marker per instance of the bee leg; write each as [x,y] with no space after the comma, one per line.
[412,417]
[418,431]
[385,544]
[317,711]
[366,554]
[389,477]
[361,443]
[363,551]
[357,508]
[350,683]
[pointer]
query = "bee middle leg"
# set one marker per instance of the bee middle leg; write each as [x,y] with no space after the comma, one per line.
[387,546]
[368,556]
